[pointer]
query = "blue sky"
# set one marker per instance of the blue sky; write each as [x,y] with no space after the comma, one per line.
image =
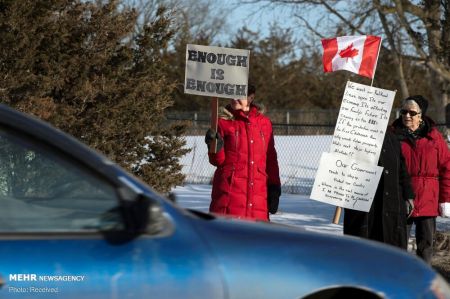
[258,17]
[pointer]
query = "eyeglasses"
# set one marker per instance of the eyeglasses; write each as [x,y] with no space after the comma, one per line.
[411,113]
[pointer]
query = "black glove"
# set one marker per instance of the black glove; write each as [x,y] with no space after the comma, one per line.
[273,198]
[409,207]
[209,137]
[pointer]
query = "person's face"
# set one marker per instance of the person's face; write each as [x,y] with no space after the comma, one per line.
[411,116]
[242,104]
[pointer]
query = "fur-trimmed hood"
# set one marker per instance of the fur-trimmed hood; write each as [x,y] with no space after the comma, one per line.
[228,113]
[400,129]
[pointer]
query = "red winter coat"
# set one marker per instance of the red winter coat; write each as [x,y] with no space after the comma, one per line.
[428,163]
[246,164]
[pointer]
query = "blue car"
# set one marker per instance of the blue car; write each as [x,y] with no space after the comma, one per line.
[75,225]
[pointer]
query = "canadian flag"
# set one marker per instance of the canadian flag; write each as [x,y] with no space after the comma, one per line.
[357,54]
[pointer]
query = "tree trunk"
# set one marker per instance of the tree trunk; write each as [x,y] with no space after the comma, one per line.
[439,101]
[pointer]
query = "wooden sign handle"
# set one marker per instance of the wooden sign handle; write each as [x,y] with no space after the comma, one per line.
[337,215]
[214,118]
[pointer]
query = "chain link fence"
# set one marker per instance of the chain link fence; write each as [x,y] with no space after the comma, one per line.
[300,139]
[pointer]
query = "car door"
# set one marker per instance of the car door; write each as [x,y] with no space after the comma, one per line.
[53,210]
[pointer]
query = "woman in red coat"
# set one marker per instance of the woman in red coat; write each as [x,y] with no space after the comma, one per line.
[427,160]
[247,171]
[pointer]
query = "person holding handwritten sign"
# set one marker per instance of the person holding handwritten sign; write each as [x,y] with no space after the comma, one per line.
[386,220]
[246,183]
[428,162]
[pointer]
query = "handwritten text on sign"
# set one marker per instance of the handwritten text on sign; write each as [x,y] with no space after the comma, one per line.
[362,122]
[345,182]
[216,72]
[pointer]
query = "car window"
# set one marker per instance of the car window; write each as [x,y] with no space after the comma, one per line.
[41,190]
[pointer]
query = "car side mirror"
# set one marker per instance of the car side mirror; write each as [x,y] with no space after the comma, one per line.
[136,214]
[144,215]
[172,197]
[133,218]
[141,213]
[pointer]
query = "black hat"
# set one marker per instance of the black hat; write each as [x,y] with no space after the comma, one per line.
[251,89]
[421,101]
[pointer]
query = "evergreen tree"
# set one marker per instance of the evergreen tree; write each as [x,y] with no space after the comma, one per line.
[78,65]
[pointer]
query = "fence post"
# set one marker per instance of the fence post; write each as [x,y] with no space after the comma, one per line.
[287,122]
[195,119]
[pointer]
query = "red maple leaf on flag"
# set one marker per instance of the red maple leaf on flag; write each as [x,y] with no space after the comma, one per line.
[348,52]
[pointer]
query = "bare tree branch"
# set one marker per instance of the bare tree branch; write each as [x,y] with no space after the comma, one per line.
[417,43]
[395,53]
[309,27]
[340,16]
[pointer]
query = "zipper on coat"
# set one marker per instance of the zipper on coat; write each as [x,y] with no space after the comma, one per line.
[263,139]
[236,136]
[232,178]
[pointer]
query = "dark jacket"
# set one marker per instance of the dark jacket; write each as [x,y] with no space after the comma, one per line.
[428,163]
[386,219]
[246,165]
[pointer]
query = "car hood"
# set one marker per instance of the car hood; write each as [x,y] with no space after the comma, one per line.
[260,259]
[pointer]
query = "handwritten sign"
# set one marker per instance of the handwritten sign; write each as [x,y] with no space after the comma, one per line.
[362,122]
[346,182]
[216,71]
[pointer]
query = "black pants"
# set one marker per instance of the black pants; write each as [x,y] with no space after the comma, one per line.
[425,229]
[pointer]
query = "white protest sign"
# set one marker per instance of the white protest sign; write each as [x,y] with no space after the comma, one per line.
[216,71]
[345,182]
[362,122]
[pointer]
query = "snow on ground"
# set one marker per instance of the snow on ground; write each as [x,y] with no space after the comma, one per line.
[297,210]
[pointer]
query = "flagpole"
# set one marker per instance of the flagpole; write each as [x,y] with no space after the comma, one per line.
[214,119]
[376,61]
